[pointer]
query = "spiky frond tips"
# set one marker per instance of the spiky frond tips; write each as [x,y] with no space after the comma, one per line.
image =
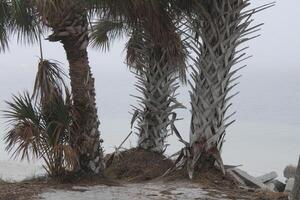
[24,136]
[222,27]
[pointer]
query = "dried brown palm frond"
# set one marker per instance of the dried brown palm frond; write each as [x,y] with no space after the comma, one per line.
[49,80]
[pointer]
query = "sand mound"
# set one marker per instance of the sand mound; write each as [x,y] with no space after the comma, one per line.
[138,165]
[208,178]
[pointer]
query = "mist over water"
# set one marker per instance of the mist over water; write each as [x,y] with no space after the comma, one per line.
[266,135]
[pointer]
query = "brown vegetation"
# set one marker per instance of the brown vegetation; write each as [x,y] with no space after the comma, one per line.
[136,165]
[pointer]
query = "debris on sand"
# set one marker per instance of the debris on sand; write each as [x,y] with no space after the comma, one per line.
[138,165]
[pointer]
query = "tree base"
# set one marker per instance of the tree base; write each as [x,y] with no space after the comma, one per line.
[138,165]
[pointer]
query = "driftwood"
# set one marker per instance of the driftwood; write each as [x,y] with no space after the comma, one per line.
[250,180]
[264,182]
[295,194]
[267,177]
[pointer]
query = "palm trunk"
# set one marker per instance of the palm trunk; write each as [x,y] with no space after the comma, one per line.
[157,83]
[221,32]
[84,99]
[158,86]
[73,33]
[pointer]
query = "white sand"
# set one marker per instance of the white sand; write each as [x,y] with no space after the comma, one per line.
[148,191]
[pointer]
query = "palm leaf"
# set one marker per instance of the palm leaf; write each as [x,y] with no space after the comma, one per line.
[24,21]
[49,80]
[24,136]
[4,20]
[104,32]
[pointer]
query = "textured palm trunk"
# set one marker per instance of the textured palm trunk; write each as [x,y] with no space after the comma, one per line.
[223,29]
[86,131]
[73,33]
[158,86]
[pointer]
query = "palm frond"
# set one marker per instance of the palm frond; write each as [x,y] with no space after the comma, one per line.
[105,32]
[40,125]
[58,120]
[4,20]
[49,80]
[24,136]
[22,109]
[24,21]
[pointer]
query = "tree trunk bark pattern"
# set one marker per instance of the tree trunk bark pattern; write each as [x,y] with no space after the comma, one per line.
[84,98]
[158,86]
[157,83]
[295,194]
[73,34]
[222,29]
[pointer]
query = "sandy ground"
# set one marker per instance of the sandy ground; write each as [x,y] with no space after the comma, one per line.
[141,191]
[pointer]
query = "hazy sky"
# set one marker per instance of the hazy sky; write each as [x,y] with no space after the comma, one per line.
[269,86]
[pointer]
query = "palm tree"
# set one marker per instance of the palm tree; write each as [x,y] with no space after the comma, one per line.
[218,28]
[68,22]
[157,82]
[225,27]
[156,55]
[41,128]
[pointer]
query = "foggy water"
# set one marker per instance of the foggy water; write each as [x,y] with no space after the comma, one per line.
[266,135]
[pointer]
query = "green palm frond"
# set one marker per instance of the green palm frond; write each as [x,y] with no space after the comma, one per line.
[3,38]
[22,109]
[58,120]
[105,32]
[24,136]
[24,21]
[4,20]
[18,18]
